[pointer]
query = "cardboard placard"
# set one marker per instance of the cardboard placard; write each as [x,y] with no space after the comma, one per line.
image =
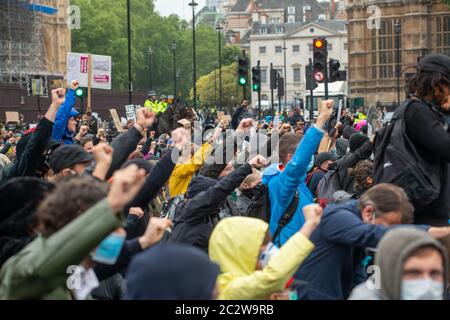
[12,117]
[116,120]
[325,144]
[222,117]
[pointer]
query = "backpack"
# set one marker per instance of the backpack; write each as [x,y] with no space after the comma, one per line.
[329,184]
[259,208]
[397,162]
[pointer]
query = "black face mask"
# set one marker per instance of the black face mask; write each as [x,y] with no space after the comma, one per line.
[250,193]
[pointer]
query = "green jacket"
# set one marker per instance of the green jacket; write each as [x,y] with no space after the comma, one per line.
[39,271]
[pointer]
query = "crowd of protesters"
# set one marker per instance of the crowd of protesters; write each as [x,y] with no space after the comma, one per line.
[315,211]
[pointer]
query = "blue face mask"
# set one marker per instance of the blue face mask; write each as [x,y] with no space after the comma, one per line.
[268,253]
[109,249]
[310,165]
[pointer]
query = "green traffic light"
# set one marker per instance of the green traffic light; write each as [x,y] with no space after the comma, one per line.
[79,93]
[242,81]
[255,87]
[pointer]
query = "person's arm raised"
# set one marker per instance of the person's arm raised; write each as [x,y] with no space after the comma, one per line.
[103,159]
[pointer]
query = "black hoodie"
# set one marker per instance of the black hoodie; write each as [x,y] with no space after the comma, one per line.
[205,196]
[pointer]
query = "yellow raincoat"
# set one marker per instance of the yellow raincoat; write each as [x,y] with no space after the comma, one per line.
[235,245]
[182,174]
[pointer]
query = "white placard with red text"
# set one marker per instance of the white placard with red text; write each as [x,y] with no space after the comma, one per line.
[78,69]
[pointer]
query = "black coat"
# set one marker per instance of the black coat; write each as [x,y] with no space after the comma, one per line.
[194,223]
[155,181]
[432,141]
[29,159]
[123,146]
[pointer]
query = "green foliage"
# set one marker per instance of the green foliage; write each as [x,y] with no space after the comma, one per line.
[104,31]
[208,87]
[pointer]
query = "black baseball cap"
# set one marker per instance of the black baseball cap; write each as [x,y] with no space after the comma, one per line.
[68,156]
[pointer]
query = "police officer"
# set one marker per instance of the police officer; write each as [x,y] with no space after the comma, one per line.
[152,102]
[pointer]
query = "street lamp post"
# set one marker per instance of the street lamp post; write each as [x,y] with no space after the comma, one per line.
[150,53]
[398,29]
[219,31]
[130,81]
[193,4]
[174,50]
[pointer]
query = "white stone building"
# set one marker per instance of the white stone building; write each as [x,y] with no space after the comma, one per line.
[267,43]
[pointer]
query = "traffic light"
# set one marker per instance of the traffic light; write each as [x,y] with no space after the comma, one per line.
[311,83]
[281,87]
[273,79]
[335,73]
[334,66]
[243,72]
[79,93]
[256,72]
[320,54]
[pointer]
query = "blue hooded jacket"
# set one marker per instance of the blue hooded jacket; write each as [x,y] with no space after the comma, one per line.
[283,185]
[65,112]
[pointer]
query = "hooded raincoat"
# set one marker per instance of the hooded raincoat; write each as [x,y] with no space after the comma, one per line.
[235,245]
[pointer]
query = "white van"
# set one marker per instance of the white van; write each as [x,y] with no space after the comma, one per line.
[337,91]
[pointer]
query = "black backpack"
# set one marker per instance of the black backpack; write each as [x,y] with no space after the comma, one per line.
[259,208]
[398,162]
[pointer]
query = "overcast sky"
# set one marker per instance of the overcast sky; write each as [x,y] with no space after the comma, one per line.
[179,7]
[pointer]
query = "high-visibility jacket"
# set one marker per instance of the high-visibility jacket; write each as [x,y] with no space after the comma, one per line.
[360,117]
[152,105]
[163,107]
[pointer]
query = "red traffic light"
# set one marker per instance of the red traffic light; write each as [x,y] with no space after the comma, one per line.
[319,43]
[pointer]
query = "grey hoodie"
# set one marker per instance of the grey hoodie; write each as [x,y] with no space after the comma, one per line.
[395,247]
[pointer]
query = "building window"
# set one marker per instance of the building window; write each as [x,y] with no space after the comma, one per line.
[330,47]
[310,46]
[383,60]
[278,49]
[279,29]
[262,50]
[263,30]
[264,75]
[275,20]
[297,74]
[443,35]
[291,19]
[346,46]
[296,49]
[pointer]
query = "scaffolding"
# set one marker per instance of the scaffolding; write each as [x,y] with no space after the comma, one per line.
[22,49]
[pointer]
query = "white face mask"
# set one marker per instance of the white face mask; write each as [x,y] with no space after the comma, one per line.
[422,289]
[267,254]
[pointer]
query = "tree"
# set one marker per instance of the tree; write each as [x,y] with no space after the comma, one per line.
[104,31]
[231,93]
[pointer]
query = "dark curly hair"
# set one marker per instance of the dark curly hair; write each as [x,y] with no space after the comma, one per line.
[424,84]
[71,198]
[362,171]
